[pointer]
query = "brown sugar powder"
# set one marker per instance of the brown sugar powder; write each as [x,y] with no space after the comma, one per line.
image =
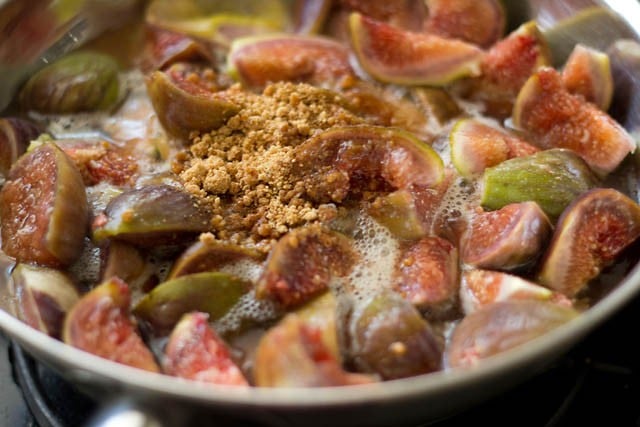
[242,171]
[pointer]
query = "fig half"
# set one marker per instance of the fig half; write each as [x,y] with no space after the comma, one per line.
[589,235]
[587,72]
[392,55]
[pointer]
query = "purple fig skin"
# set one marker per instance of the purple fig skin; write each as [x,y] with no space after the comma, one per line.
[15,135]
[589,235]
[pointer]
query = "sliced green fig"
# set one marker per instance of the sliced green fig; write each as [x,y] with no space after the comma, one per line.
[185,101]
[357,159]
[479,288]
[100,161]
[481,22]
[587,72]
[589,235]
[122,260]
[428,276]
[506,239]
[392,55]
[221,21]
[15,135]
[164,48]
[398,213]
[388,336]
[151,215]
[503,326]
[100,323]
[309,15]
[436,103]
[195,352]
[551,178]
[43,296]
[208,254]
[507,66]
[302,350]
[83,81]
[302,263]
[477,144]
[211,293]
[555,118]
[257,61]
[43,209]
[405,14]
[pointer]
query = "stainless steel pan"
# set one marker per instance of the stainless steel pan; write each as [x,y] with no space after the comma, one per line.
[135,398]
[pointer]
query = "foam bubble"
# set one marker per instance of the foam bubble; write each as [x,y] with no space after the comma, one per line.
[248,308]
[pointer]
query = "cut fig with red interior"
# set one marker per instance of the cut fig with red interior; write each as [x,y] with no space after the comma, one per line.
[555,118]
[152,215]
[393,55]
[43,209]
[164,48]
[43,296]
[587,72]
[398,213]
[208,254]
[481,22]
[428,276]
[507,66]
[302,350]
[301,264]
[479,288]
[478,144]
[503,326]
[256,61]
[388,336]
[507,239]
[195,352]
[100,323]
[122,260]
[406,14]
[186,102]
[100,161]
[351,160]
[589,235]
[15,135]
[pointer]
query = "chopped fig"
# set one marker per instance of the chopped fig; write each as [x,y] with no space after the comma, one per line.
[100,323]
[208,254]
[436,102]
[302,350]
[212,293]
[15,135]
[43,209]
[477,144]
[123,261]
[502,326]
[388,336]
[164,48]
[221,21]
[507,66]
[507,239]
[398,213]
[302,263]
[428,276]
[186,102]
[555,118]
[43,297]
[405,14]
[310,15]
[392,55]
[100,161]
[479,288]
[481,22]
[196,352]
[551,178]
[150,216]
[589,235]
[588,73]
[357,159]
[257,61]
[83,81]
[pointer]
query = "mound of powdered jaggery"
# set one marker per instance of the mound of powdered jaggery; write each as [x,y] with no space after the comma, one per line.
[242,171]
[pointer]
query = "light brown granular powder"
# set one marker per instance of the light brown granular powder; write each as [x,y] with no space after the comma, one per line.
[242,170]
